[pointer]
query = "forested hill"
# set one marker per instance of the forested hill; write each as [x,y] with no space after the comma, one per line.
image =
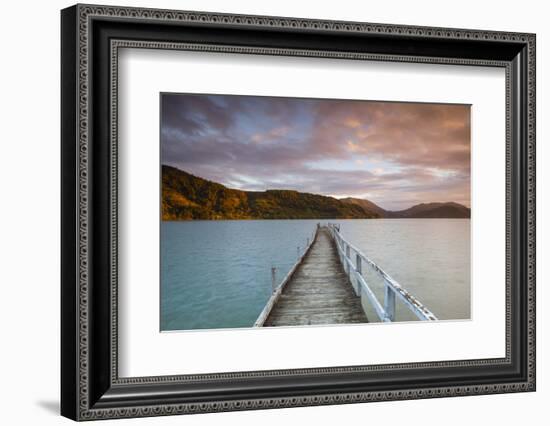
[188,197]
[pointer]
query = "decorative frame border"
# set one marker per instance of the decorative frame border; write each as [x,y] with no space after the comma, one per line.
[116,45]
[85,14]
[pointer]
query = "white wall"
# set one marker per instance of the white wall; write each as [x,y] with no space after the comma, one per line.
[29,225]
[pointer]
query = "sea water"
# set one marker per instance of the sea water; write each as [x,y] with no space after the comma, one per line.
[218,274]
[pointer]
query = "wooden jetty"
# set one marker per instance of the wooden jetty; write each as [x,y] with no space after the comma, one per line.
[319,291]
[326,286]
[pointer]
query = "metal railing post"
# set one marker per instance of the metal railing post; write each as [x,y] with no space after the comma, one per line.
[273,278]
[359,269]
[389,302]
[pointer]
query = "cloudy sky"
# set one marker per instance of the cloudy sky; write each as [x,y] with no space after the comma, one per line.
[394,154]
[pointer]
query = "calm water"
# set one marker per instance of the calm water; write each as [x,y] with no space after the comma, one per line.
[217,274]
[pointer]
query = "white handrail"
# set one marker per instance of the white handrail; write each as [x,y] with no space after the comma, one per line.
[392,288]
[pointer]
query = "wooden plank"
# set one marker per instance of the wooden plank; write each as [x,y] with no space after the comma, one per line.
[278,291]
[319,291]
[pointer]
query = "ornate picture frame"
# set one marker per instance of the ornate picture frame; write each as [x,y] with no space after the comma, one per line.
[91,37]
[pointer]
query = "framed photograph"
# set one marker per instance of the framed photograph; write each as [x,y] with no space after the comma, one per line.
[263,212]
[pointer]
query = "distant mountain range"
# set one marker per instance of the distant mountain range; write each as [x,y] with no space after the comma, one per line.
[188,197]
[449,210]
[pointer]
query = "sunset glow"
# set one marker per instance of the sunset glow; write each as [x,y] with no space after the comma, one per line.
[394,154]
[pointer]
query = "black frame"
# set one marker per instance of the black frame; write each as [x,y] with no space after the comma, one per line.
[90,386]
